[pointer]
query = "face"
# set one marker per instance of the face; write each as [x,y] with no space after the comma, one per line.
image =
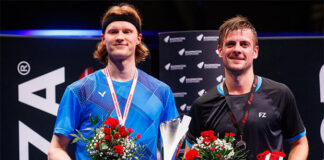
[238,51]
[121,38]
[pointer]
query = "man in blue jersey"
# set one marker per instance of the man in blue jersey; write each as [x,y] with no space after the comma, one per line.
[141,102]
[263,113]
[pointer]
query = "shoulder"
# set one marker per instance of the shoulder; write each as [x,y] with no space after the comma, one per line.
[151,82]
[271,84]
[87,84]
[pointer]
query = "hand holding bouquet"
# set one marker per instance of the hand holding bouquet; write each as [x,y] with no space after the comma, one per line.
[109,141]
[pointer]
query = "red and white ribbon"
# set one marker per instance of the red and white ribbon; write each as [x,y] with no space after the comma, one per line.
[122,119]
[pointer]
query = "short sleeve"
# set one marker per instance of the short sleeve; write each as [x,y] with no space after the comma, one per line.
[170,110]
[68,114]
[293,127]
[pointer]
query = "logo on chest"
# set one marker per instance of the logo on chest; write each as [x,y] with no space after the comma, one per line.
[262,115]
[102,94]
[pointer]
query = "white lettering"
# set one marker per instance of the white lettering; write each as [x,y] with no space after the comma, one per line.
[48,82]
[27,135]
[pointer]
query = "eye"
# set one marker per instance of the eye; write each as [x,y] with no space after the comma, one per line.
[245,44]
[127,31]
[230,44]
[112,31]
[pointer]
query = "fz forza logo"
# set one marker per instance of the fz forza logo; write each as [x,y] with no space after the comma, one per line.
[262,115]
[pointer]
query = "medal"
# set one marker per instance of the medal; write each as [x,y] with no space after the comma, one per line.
[241,144]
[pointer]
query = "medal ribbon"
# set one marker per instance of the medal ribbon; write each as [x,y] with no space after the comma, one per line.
[122,119]
[246,108]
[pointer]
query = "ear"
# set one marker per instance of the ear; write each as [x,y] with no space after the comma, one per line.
[255,52]
[219,49]
[139,38]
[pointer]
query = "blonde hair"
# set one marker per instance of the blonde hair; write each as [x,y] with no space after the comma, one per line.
[235,23]
[141,50]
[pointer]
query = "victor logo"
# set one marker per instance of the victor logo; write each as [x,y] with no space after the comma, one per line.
[102,94]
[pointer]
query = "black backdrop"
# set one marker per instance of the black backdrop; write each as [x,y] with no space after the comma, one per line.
[295,61]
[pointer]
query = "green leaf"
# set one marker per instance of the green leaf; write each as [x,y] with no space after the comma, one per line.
[93,121]
[74,135]
[81,136]
[75,140]
[103,146]
[89,129]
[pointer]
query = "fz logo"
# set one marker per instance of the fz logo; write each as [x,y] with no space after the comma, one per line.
[262,115]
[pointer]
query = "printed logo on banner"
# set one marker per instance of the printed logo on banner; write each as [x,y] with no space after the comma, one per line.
[201,37]
[189,53]
[179,94]
[184,79]
[202,65]
[220,78]
[185,107]
[175,67]
[201,92]
[23,68]
[169,39]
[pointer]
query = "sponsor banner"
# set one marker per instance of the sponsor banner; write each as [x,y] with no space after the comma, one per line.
[34,74]
[187,61]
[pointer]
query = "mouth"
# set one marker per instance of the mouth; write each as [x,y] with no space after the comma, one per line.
[236,58]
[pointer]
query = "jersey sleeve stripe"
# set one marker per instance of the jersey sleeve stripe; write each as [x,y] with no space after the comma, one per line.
[302,134]
[188,143]
[220,89]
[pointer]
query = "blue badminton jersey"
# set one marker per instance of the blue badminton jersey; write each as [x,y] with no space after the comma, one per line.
[153,103]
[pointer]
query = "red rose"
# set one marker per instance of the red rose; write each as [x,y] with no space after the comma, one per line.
[112,122]
[232,134]
[97,145]
[207,133]
[107,131]
[116,135]
[212,138]
[206,141]
[192,154]
[108,138]
[130,130]
[118,149]
[226,134]
[121,129]
[124,134]
[138,136]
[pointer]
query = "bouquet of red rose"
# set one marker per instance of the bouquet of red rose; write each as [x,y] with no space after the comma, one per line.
[110,141]
[209,147]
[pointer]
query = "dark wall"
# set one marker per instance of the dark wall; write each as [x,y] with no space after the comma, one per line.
[170,15]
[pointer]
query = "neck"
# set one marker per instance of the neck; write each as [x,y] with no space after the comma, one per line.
[238,83]
[121,70]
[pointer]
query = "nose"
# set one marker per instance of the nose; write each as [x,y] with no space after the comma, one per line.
[120,36]
[237,49]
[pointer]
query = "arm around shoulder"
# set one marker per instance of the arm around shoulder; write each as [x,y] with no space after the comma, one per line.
[57,148]
[299,149]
